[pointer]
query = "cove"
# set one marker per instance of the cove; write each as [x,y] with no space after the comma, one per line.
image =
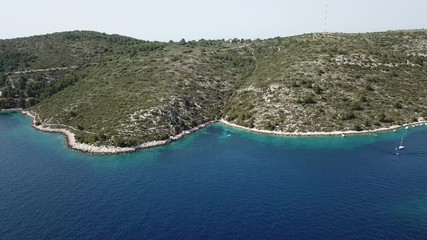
[217,183]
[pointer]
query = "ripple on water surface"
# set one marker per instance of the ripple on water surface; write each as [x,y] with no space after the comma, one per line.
[218,183]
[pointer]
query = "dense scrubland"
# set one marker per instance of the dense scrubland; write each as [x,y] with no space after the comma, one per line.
[116,90]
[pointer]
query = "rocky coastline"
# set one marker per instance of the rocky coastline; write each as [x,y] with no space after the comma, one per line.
[74,144]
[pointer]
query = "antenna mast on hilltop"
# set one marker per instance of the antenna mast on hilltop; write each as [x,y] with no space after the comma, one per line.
[326,14]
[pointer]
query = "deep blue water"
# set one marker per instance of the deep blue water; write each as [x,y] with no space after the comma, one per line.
[210,185]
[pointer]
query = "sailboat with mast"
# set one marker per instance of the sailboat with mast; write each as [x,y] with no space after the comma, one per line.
[401,146]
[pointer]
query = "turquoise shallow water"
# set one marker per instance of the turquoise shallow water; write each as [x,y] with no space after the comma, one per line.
[218,183]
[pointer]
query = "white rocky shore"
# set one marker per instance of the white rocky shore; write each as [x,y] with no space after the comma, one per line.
[334,133]
[11,110]
[72,142]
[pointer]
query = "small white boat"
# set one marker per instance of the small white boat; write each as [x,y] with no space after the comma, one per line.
[401,146]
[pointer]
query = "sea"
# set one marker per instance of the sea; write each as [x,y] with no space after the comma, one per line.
[217,183]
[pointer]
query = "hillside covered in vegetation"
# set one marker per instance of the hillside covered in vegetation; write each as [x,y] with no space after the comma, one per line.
[116,90]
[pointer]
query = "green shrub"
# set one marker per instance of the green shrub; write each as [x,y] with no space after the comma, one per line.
[348,116]
[308,99]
